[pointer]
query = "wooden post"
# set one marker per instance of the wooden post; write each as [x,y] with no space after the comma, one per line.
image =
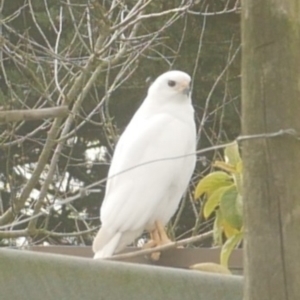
[271,101]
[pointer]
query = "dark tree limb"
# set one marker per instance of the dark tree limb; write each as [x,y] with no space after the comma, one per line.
[33,114]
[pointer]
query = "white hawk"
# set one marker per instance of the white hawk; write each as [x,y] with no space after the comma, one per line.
[152,165]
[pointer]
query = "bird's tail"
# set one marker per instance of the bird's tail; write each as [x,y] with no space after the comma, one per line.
[104,244]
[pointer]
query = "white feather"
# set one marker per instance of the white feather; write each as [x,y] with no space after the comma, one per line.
[151,167]
[109,249]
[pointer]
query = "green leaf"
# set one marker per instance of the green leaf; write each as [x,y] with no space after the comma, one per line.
[212,182]
[232,154]
[214,200]
[239,204]
[238,177]
[239,167]
[230,208]
[225,166]
[217,229]
[228,247]
[228,230]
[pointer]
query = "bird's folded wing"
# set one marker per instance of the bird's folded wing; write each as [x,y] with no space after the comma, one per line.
[146,164]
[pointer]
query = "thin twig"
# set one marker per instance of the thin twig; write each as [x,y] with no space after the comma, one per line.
[172,245]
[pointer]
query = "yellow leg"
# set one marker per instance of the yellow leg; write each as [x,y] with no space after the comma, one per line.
[158,237]
[162,233]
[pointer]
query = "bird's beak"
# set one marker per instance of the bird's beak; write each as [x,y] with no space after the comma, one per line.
[185,88]
[186,91]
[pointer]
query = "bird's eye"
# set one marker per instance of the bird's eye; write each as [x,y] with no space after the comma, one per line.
[171,83]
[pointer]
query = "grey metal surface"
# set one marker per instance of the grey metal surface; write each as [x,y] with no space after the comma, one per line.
[36,276]
[177,257]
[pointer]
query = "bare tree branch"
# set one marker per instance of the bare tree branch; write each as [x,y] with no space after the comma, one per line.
[32,114]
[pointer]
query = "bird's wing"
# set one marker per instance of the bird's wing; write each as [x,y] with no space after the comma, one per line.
[133,196]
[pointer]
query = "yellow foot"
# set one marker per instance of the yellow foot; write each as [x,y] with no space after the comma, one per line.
[158,238]
[163,237]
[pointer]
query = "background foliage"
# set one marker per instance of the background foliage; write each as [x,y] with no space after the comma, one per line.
[96,57]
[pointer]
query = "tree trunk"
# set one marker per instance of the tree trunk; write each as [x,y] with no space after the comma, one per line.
[271,101]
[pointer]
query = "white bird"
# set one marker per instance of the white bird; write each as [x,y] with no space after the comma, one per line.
[152,165]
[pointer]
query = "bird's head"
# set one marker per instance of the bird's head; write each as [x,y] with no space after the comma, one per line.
[172,84]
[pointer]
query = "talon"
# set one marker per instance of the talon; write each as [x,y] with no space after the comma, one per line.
[164,239]
[155,256]
[158,238]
